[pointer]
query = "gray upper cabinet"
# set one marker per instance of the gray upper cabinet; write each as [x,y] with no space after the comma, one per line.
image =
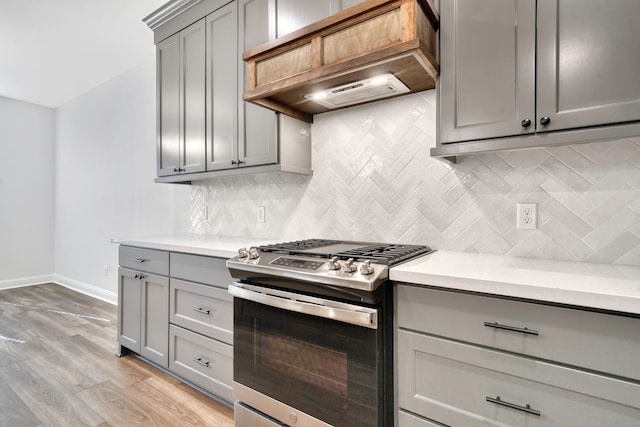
[588,62]
[487,62]
[258,132]
[204,127]
[181,107]
[222,97]
[517,73]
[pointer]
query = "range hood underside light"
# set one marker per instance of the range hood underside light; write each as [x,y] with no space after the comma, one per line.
[359,92]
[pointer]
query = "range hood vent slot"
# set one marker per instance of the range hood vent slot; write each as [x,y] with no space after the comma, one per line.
[359,92]
[340,56]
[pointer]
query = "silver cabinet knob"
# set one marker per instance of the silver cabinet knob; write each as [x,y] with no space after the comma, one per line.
[243,253]
[253,253]
[366,268]
[334,264]
[349,266]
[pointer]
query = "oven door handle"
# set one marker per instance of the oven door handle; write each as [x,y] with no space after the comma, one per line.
[334,310]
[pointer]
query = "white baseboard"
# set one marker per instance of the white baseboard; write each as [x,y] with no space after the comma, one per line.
[26,281]
[84,288]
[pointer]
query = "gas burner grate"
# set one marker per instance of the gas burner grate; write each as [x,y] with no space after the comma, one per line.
[379,253]
[387,254]
[292,248]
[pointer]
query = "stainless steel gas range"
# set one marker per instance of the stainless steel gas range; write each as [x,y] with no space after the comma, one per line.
[313,333]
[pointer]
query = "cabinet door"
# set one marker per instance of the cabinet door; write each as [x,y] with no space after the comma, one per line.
[129,298]
[222,90]
[487,65]
[168,115]
[192,79]
[588,62]
[295,14]
[154,338]
[257,130]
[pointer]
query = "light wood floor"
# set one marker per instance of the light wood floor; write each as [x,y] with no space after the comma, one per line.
[58,368]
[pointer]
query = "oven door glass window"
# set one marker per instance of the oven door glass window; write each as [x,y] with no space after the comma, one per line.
[327,369]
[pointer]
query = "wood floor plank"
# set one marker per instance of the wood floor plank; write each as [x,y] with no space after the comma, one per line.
[71,372]
[121,407]
[49,325]
[120,371]
[46,398]
[65,373]
[187,403]
[13,411]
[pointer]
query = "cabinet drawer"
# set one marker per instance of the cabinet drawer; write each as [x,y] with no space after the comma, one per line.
[202,308]
[148,260]
[201,360]
[201,269]
[602,342]
[452,383]
[406,419]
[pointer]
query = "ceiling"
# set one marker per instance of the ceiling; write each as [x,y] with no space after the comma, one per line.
[51,51]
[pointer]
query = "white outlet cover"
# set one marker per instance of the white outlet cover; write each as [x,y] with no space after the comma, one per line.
[527,216]
[260,214]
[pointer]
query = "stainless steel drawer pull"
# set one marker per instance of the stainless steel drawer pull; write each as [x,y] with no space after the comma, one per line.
[524,330]
[140,260]
[201,361]
[203,310]
[527,408]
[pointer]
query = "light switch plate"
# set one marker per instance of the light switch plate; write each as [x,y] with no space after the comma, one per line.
[260,215]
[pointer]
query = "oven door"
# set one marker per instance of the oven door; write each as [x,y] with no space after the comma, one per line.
[307,361]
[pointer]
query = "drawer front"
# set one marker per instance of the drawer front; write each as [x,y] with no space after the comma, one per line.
[406,419]
[204,309]
[148,260]
[201,360]
[201,269]
[602,342]
[463,385]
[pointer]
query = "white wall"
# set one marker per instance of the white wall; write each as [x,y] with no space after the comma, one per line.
[26,192]
[105,165]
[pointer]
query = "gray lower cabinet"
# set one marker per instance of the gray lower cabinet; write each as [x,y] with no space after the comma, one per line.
[143,304]
[468,360]
[175,311]
[517,73]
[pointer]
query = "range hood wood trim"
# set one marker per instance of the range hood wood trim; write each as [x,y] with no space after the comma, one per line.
[286,94]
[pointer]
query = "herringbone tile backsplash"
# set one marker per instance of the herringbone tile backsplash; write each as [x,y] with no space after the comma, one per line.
[375,181]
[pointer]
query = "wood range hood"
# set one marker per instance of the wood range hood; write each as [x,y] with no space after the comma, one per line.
[344,56]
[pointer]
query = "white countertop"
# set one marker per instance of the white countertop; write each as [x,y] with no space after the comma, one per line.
[197,244]
[600,286]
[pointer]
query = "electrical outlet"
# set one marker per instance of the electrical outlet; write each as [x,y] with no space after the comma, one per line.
[260,215]
[527,216]
[106,270]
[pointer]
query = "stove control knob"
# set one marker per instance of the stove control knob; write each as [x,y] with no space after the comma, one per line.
[334,264]
[349,266]
[253,253]
[243,253]
[366,268]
